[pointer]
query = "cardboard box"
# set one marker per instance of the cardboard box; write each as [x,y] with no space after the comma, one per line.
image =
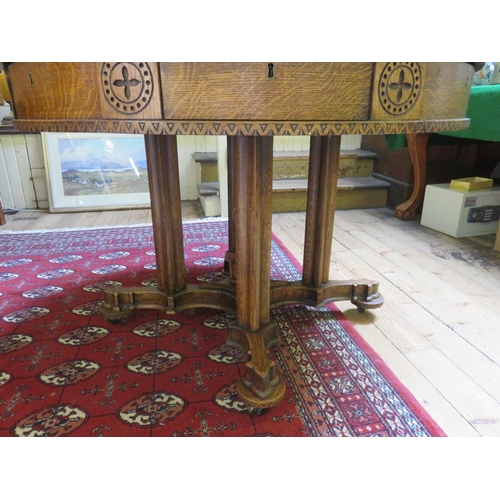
[471,183]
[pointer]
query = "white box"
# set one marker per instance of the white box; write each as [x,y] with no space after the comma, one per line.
[461,213]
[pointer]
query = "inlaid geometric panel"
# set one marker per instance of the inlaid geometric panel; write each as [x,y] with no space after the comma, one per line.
[398,89]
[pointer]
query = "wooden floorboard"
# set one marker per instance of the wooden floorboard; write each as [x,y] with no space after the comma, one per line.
[439,329]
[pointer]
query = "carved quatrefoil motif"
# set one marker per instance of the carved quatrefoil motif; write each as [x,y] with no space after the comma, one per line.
[399,87]
[127,87]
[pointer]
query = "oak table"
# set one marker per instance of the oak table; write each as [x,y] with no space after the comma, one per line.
[250,103]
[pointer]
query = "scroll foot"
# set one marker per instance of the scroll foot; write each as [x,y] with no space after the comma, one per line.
[362,305]
[116,314]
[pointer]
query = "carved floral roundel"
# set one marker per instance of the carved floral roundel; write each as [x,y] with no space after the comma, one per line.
[400,86]
[127,87]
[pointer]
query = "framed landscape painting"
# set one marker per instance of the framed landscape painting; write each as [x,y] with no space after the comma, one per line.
[95,171]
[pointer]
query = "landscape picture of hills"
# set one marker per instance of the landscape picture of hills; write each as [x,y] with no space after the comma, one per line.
[107,165]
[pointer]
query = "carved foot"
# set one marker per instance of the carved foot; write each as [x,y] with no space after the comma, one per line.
[116,314]
[406,211]
[256,405]
[366,296]
[260,387]
[373,303]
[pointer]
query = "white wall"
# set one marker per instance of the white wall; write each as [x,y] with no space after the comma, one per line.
[22,172]
[301,143]
[22,169]
[4,111]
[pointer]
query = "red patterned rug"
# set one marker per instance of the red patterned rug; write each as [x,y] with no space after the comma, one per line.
[65,371]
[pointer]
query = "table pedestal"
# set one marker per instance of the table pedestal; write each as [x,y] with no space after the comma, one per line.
[247,292]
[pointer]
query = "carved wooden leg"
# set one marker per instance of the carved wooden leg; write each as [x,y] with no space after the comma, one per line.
[254,331]
[417,146]
[322,187]
[166,211]
[163,173]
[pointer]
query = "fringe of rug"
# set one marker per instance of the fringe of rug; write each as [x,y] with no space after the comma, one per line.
[66,229]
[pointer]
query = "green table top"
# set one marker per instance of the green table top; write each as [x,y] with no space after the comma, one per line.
[483,111]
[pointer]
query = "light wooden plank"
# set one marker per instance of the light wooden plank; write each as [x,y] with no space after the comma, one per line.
[120,217]
[104,218]
[12,168]
[473,361]
[49,221]
[40,186]
[186,146]
[37,165]
[470,318]
[6,194]
[139,216]
[87,219]
[476,280]
[434,300]
[25,173]
[35,151]
[69,220]
[463,249]
[23,220]
[463,393]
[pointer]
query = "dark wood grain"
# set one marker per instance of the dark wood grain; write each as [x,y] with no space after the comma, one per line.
[163,172]
[322,186]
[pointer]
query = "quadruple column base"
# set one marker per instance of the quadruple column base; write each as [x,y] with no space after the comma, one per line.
[260,387]
[247,293]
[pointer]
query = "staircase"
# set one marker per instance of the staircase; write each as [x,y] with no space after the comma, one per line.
[356,187]
[208,187]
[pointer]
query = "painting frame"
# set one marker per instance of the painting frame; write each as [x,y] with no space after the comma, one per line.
[95,171]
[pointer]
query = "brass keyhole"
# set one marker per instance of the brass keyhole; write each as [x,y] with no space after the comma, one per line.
[270,70]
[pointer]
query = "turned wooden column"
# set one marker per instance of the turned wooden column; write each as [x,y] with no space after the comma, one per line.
[321,192]
[164,186]
[417,147]
[253,331]
[253,163]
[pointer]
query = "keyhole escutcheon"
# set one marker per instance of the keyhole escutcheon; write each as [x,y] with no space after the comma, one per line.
[270,70]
